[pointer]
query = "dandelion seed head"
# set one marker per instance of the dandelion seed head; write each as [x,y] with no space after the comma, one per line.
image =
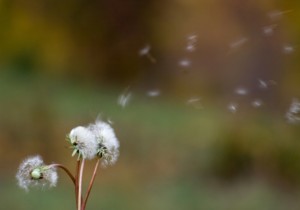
[108,144]
[34,173]
[83,142]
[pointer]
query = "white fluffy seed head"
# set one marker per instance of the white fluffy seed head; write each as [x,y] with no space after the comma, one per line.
[48,175]
[107,142]
[83,142]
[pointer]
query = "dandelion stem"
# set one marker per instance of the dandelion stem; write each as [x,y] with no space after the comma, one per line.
[80,184]
[91,184]
[76,181]
[65,169]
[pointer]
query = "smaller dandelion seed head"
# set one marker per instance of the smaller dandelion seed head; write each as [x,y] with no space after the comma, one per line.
[108,144]
[83,142]
[34,173]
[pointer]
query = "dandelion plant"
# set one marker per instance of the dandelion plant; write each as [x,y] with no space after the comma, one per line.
[95,141]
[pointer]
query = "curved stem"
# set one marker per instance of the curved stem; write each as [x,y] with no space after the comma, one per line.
[80,185]
[91,184]
[65,169]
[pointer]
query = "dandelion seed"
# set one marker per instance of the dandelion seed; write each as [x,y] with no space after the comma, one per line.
[232,107]
[238,43]
[293,114]
[276,14]
[262,84]
[195,102]
[110,121]
[107,142]
[191,42]
[288,49]
[269,30]
[153,93]
[83,142]
[265,84]
[190,48]
[34,173]
[145,51]
[257,103]
[124,99]
[184,63]
[241,91]
[192,38]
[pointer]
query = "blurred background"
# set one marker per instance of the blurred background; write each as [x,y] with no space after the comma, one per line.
[203,96]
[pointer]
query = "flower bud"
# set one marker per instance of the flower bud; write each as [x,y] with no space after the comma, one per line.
[36,174]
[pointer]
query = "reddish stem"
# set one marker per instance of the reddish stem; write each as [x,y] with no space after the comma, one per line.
[91,184]
[76,181]
[80,185]
[65,169]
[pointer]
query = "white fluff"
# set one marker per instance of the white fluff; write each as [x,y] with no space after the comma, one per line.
[25,180]
[84,141]
[106,137]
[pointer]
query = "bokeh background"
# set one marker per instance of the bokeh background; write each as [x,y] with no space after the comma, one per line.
[197,92]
